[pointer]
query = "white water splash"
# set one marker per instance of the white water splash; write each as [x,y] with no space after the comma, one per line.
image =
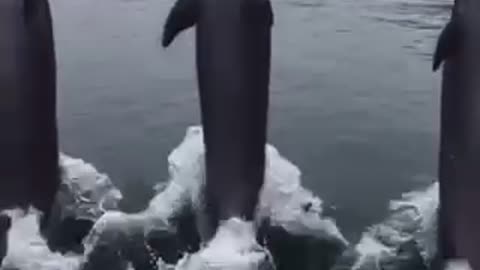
[29,251]
[87,193]
[458,265]
[281,200]
[412,218]
[234,247]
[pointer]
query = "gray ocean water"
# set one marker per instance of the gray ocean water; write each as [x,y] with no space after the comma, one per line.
[354,102]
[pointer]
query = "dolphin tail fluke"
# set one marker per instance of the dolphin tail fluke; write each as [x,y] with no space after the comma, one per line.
[182,16]
[447,44]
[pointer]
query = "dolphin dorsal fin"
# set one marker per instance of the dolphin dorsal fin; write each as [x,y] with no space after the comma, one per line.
[183,15]
[448,44]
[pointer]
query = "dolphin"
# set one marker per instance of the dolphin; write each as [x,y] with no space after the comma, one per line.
[29,158]
[459,156]
[233,55]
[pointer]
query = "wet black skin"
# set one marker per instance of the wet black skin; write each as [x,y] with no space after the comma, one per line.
[233,50]
[29,173]
[459,159]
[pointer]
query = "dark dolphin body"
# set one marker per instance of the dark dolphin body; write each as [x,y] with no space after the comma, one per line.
[458,49]
[29,172]
[233,48]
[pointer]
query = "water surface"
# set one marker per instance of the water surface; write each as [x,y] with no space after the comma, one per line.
[354,101]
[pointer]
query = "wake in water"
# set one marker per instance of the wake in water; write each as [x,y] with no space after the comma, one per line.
[290,224]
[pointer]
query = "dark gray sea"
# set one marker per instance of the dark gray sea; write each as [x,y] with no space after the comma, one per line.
[354,102]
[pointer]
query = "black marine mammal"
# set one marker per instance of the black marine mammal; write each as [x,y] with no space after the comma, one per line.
[233,53]
[459,171]
[29,158]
